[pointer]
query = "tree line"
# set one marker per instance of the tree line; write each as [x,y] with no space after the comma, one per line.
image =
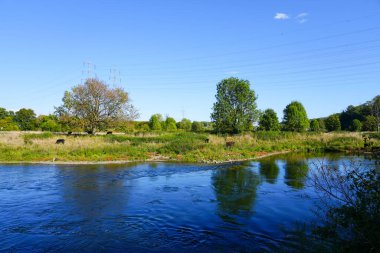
[94,106]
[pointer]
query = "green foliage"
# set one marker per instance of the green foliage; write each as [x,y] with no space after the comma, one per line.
[170,124]
[184,124]
[269,121]
[26,119]
[155,122]
[333,123]
[356,125]
[314,125]
[235,108]
[48,123]
[29,137]
[369,123]
[7,124]
[3,113]
[197,126]
[295,117]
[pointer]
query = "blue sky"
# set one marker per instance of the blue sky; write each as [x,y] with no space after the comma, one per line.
[171,54]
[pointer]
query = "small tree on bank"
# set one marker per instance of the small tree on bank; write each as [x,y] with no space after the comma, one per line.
[235,108]
[295,117]
[155,122]
[97,105]
[333,123]
[314,125]
[269,121]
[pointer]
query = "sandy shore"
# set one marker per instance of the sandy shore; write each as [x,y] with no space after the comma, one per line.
[154,159]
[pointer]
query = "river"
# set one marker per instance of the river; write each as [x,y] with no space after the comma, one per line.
[158,207]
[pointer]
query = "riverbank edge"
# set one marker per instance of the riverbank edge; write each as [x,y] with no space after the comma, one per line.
[145,161]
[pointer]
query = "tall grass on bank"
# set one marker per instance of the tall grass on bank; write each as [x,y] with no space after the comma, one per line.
[179,146]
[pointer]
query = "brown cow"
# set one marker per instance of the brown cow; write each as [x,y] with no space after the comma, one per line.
[230,144]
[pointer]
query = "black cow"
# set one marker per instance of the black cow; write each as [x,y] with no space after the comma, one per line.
[109,132]
[60,141]
[207,140]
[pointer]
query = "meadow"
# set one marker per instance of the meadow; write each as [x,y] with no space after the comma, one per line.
[167,146]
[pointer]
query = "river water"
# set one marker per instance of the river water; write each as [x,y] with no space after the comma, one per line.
[158,207]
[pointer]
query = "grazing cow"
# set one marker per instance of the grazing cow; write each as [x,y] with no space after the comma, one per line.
[207,140]
[60,141]
[230,144]
[69,133]
[90,132]
[109,132]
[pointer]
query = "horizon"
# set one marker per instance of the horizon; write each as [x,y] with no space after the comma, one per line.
[324,55]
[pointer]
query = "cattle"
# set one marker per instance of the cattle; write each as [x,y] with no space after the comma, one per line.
[109,132]
[69,133]
[60,141]
[207,140]
[90,132]
[230,144]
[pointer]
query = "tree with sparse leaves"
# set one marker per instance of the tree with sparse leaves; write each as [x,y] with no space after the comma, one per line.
[97,105]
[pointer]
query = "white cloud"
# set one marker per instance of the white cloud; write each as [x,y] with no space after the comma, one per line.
[280,15]
[301,18]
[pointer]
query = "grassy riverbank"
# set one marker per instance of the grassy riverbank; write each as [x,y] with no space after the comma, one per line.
[186,147]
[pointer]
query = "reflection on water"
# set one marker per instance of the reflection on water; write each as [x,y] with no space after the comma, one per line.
[157,207]
[269,170]
[235,189]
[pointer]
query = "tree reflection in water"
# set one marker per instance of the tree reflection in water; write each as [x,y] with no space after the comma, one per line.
[269,170]
[296,170]
[235,189]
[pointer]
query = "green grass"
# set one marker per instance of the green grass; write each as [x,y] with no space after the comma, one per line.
[178,146]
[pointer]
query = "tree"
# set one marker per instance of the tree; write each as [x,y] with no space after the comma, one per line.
[3,113]
[314,125]
[184,124]
[155,122]
[269,121]
[48,123]
[235,108]
[295,117]
[25,119]
[333,123]
[7,124]
[375,110]
[170,124]
[369,123]
[97,105]
[349,115]
[197,126]
[356,125]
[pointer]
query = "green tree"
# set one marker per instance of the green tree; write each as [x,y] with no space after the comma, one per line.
[332,123]
[356,125]
[322,126]
[375,110]
[369,123]
[295,117]
[155,122]
[97,105]
[48,123]
[170,124]
[235,108]
[269,121]
[184,124]
[3,113]
[314,125]
[7,124]
[25,119]
[197,126]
